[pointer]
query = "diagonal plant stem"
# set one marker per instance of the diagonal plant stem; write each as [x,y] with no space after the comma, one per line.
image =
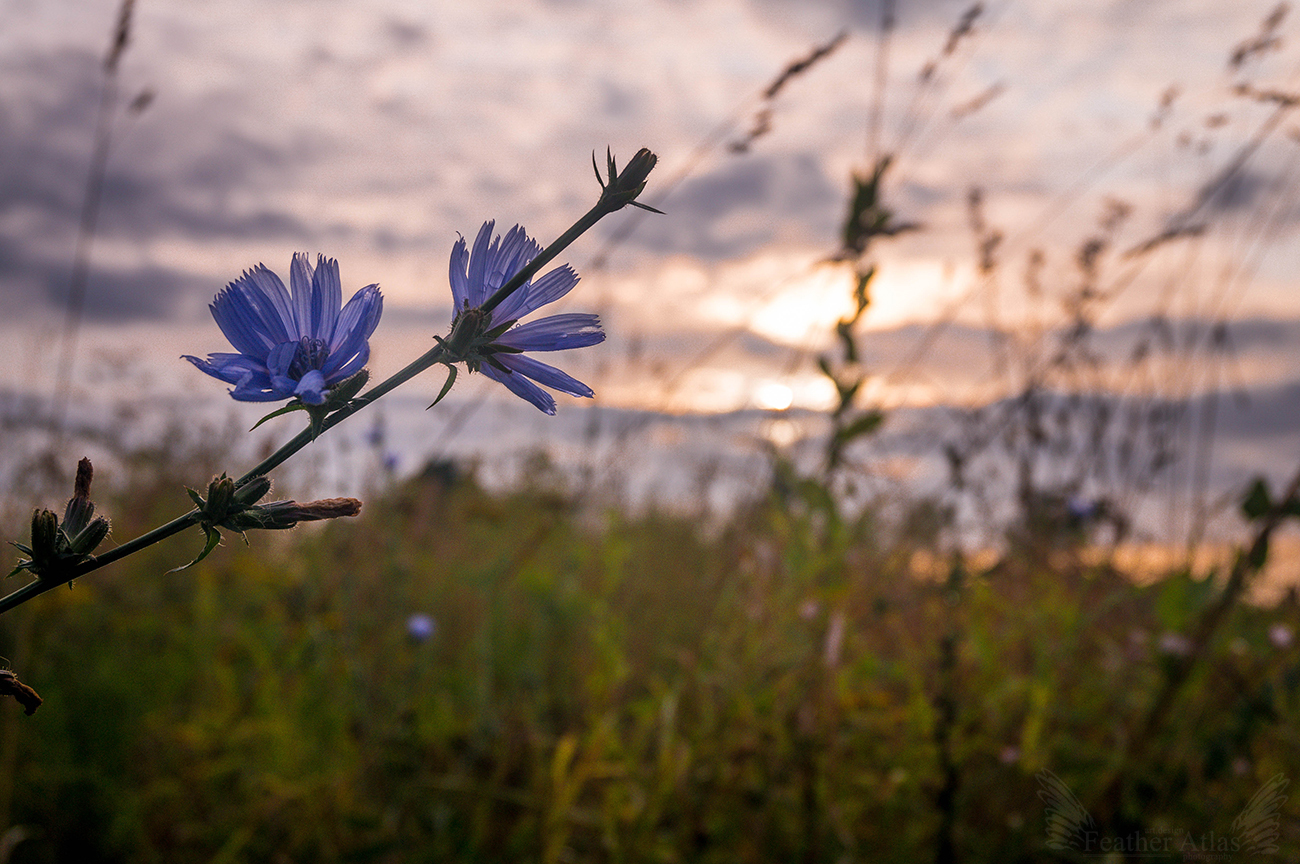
[621,190]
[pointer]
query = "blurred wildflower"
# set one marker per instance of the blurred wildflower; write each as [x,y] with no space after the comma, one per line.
[1175,645]
[1080,509]
[292,343]
[1280,635]
[490,341]
[421,627]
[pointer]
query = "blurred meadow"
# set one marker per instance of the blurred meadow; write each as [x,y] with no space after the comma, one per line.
[938,500]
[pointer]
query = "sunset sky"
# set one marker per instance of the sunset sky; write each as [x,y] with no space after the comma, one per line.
[375,131]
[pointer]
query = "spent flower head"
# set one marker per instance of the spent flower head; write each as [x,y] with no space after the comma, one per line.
[490,340]
[297,343]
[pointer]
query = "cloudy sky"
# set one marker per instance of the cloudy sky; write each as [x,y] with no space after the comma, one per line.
[375,131]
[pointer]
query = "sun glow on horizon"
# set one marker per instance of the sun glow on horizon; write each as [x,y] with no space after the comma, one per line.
[796,299]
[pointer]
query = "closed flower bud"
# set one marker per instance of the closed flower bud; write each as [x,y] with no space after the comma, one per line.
[78,515]
[623,186]
[220,493]
[45,535]
[89,538]
[80,509]
[252,492]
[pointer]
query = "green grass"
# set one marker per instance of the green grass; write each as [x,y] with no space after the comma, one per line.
[608,687]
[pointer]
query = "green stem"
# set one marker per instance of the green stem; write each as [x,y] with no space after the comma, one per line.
[594,215]
[180,523]
[614,196]
[303,438]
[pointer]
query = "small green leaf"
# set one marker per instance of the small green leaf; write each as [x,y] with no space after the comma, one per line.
[446,387]
[1257,501]
[213,538]
[292,406]
[864,425]
[860,293]
[1291,507]
[646,207]
[1259,553]
[317,413]
[848,390]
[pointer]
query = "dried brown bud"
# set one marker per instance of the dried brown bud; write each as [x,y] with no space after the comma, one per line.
[279,515]
[85,473]
[26,696]
[326,508]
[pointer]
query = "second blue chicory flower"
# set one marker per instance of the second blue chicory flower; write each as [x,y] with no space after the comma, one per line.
[477,274]
[296,343]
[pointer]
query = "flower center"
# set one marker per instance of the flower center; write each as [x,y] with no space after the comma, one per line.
[310,354]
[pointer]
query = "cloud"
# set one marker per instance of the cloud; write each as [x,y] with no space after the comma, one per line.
[731,211]
[175,180]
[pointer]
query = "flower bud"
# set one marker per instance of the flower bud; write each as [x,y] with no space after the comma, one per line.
[79,511]
[77,515]
[252,491]
[45,535]
[89,538]
[624,186]
[635,173]
[220,493]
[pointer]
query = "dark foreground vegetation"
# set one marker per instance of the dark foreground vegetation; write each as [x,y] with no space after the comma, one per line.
[789,686]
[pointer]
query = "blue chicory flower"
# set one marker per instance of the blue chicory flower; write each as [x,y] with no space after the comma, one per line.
[421,627]
[297,344]
[476,275]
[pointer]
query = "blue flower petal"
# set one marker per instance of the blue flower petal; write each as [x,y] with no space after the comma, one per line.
[478,265]
[522,387]
[352,331]
[555,333]
[291,343]
[231,368]
[311,389]
[280,359]
[241,322]
[317,294]
[544,374]
[457,278]
[267,294]
[349,368]
[547,288]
